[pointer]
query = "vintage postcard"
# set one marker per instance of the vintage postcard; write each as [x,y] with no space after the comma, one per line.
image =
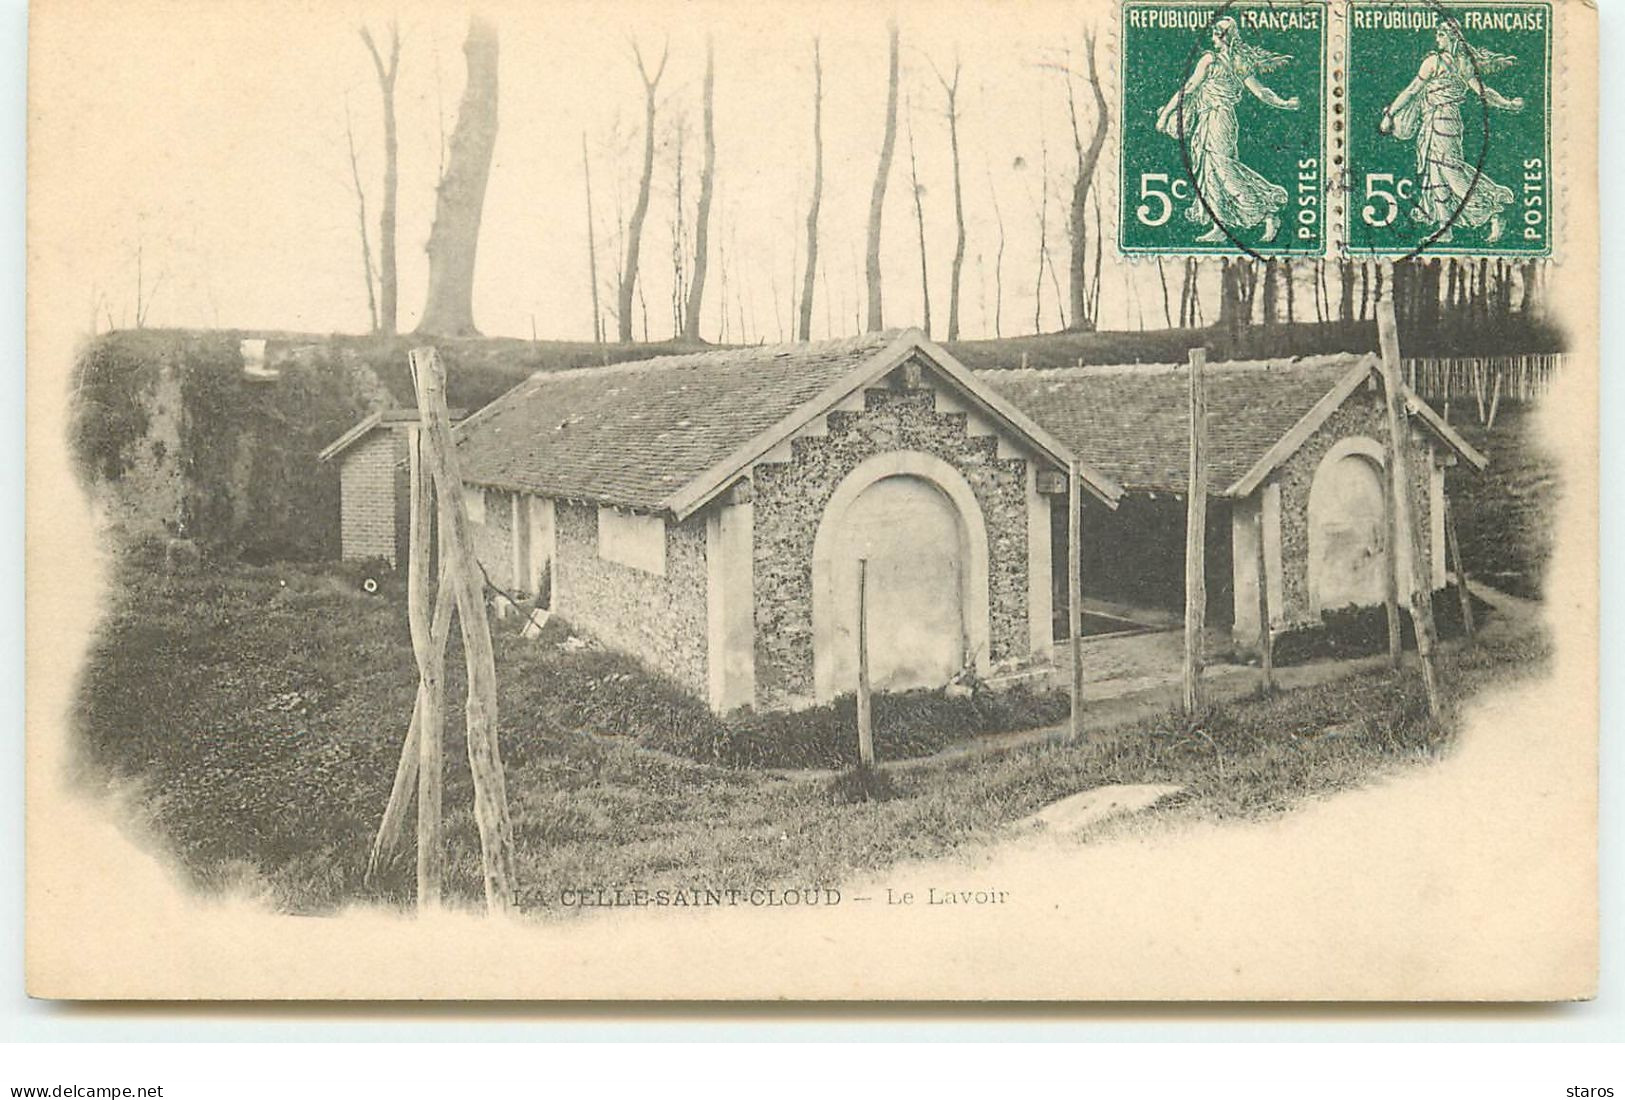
[812,501]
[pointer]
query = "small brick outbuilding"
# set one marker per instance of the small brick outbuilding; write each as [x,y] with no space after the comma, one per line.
[373,485]
[708,513]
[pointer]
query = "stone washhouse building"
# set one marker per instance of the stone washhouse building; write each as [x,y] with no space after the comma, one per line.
[1296,457]
[708,513]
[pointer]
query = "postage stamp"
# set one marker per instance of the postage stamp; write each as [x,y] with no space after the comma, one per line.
[1449,129]
[1223,129]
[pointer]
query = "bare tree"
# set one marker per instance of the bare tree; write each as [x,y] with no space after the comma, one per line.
[1087,155]
[817,199]
[998,257]
[1272,290]
[950,90]
[679,231]
[143,295]
[919,218]
[1167,311]
[361,206]
[592,247]
[634,233]
[877,198]
[1043,233]
[388,282]
[702,220]
[460,199]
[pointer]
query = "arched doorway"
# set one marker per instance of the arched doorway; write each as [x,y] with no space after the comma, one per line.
[917,524]
[1348,538]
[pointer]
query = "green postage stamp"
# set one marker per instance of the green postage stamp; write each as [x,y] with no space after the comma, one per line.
[1449,129]
[1223,128]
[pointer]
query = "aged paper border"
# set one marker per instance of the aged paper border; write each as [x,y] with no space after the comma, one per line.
[1480,910]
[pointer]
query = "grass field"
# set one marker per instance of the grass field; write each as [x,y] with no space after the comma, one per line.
[257,713]
[1504,515]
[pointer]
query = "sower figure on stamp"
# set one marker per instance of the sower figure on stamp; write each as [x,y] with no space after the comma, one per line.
[1451,191]
[1229,194]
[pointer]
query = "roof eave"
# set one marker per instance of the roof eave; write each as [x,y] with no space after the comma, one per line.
[702,489]
[1296,436]
[348,439]
[1311,421]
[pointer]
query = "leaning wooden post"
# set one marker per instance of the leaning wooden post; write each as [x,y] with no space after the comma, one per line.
[1266,639]
[1391,533]
[1196,535]
[866,737]
[1454,547]
[431,678]
[1399,474]
[484,757]
[1074,595]
[393,823]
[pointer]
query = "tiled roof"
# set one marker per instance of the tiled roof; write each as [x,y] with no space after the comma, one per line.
[1133,423]
[632,434]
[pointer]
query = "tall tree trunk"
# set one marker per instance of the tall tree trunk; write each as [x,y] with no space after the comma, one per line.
[1287,276]
[1530,304]
[702,220]
[919,221]
[1167,308]
[951,90]
[817,199]
[877,197]
[1088,158]
[592,248]
[460,202]
[998,257]
[361,206]
[1272,291]
[634,233]
[388,281]
[679,226]
[1043,236]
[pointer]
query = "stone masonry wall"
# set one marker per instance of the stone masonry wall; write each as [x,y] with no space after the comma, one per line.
[1362,414]
[660,620]
[493,539]
[789,503]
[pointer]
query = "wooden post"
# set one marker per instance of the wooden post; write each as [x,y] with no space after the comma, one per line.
[1196,535]
[1391,532]
[866,739]
[392,825]
[1454,548]
[484,758]
[430,705]
[1266,638]
[1074,596]
[1399,474]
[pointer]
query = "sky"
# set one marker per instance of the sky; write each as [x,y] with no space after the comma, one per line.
[210,175]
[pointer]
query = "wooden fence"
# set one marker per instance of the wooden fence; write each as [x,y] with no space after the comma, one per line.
[1514,377]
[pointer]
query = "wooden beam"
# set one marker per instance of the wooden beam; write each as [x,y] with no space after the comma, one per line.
[1196,534]
[484,758]
[1404,506]
[430,706]
[1454,548]
[1266,638]
[1074,598]
[866,739]
[1391,537]
[1052,482]
[391,827]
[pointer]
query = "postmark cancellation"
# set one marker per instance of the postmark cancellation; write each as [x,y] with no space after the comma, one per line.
[1362,128]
